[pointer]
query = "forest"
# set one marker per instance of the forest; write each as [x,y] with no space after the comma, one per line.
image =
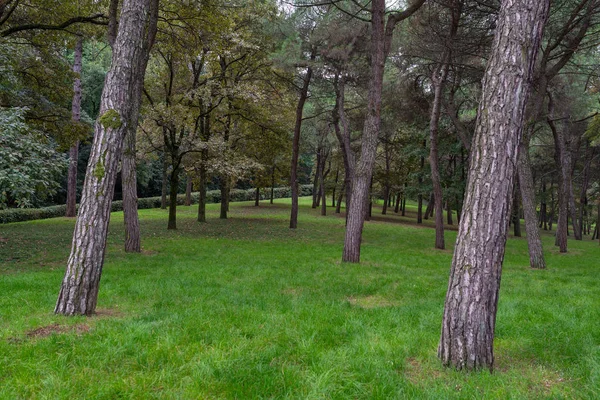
[376,141]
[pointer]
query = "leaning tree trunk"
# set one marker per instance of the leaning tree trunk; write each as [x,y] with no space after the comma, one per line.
[76,117]
[296,144]
[79,291]
[471,303]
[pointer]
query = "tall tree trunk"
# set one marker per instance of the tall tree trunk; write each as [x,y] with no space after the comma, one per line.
[272,184]
[316,189]
[79,290]
[380,41]
[471,303]
[224,186]
[76,117]
[398,201]
[188,190]
[257,197]
[449,212]
[164,186]
[173,199]
[430,207]
[129,185]
[296,143]
[202,193]
[338,207]
[516,211]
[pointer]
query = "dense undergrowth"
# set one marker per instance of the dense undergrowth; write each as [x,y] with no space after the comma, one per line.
[246,308]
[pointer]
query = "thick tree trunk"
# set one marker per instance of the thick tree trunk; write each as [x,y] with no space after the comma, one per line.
[173,199]
[79,291]
[471,303]
[296,143]
[76,117]
[257,197]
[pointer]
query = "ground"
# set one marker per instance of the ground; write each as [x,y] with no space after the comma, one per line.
[247,308]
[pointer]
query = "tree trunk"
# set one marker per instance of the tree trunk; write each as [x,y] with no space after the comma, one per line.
[188,190]
[449,212]
[296,143]
[430,207]
[129,186]
[173,199]
[516,211]
[338,207]
[471,303]
[224,197]
[202,195]
[398,201]
[79,291]
[76,117]
[163,191]
[257,197]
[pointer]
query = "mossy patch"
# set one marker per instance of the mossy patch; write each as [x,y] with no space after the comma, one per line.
[111,119]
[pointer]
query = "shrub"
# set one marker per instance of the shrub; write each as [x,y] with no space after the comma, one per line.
[212,196]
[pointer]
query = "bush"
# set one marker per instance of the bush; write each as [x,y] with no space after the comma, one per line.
[212,196]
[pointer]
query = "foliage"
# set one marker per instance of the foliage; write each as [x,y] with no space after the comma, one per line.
[30,167]
[212,196]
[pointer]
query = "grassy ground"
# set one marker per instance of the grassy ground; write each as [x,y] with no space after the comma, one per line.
[246,308]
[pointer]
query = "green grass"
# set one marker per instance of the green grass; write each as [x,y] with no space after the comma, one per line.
[246,308]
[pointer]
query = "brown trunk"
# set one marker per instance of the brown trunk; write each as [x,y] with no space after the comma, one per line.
[188,191]
[449,212]
[257,197]
[296,143]
[173,199]
[129,186]
[164,187]
[516,211]
[79,289]
[338,207]
[224,197]
[471,302]
[430,207]
[76,117]
[202,195]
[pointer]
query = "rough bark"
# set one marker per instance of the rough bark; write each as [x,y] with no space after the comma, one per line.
[296,142]
[129,185]
[257,197]
[164,186]
[76,117]
[471,302]
[79,290]
[381,36]
[516,212]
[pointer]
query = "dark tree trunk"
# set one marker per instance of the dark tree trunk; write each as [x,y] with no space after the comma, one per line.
[188,191]
[296,143]
[563,165]
[173,199]
[544,209]
[202,194]
[79,290]
[224,197]
[398,201]
[449,212]
[316,195]
[338,207]
[257,197]
[164,187]
[404,207]
[516,211]
[471,303]
[76,117]
[430,208]
[272,185]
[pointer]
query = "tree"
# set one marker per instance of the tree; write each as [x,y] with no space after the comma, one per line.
[471,302]
[137,28]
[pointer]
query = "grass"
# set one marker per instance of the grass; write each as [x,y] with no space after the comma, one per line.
[246,308]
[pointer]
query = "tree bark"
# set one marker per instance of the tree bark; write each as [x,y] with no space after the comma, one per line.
[296,142]
[257,197]
[202,194]
[129,185]
[79,290]
[516,211]
[188,190]
[76,117]
[471,303]
[224,186]
[164,189]
[173,199]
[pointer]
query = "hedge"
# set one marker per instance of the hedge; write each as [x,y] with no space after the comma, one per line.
[212,196]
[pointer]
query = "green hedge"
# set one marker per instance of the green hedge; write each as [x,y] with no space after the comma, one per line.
[212,196]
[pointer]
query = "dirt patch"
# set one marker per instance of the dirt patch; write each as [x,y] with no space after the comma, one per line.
[107,313]
[369,302]
[48,330]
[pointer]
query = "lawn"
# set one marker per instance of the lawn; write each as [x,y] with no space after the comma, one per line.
[246,308]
